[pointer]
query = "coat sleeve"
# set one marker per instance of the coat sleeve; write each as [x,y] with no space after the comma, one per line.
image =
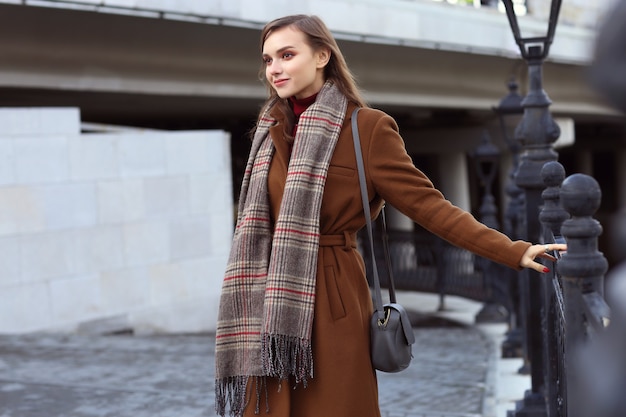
[395,178]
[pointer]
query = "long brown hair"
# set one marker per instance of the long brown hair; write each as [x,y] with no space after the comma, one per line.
[318,36]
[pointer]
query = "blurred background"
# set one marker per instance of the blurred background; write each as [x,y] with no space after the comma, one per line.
[124,133]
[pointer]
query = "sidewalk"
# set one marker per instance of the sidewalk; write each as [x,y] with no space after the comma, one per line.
[456,372]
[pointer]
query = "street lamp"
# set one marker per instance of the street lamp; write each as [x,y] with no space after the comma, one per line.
[526,44]
[536,133]
[509,112]
[486,159]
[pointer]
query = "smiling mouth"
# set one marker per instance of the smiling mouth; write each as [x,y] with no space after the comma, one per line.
[280,82]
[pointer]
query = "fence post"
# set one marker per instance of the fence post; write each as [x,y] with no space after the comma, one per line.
[537,132]
[513,345]
[486,157]
[582,270]
[552,216]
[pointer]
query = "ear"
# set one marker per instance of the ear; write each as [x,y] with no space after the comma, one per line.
[323,56]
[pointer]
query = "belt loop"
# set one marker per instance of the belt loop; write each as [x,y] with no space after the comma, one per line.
[348,241]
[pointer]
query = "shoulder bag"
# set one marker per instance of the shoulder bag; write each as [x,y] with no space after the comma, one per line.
[391,334]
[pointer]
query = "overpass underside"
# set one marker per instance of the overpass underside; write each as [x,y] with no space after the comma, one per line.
[174,74]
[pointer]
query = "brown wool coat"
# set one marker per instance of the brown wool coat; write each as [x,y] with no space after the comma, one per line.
[344,383]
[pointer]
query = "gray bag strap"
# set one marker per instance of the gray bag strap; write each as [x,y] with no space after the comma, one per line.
[378,298]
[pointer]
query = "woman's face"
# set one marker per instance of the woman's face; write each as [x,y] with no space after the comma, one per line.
[292,67]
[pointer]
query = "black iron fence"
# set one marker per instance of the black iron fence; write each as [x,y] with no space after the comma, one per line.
[424,262]
[575,309]
[572,308]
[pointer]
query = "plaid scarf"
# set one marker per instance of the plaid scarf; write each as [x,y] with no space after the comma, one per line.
[265,316]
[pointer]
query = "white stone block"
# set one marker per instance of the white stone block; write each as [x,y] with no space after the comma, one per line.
[60,121]
[204,276]
[142,154]
[186,316]
[68,205]
[39,121]
[146,242]
[99,249]
[7,166]
[9,262]
[221,233]
[47,255]
[93,157]
[41,160]
[211,193]
[76,299]
[190,152]
[166,283]
[25,308]
[199,276]
[219,152]
[20,211]
[120,201]
[166,196]
[125,289]
[191,237]
[223,202]
[201,196]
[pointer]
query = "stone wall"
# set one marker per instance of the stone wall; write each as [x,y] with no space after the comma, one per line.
[110,231]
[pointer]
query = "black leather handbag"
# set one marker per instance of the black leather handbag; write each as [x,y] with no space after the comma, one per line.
[391,337]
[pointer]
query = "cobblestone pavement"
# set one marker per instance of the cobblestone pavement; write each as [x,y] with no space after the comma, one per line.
[447,377]
[172,376]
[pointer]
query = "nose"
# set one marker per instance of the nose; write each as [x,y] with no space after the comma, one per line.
[274,67]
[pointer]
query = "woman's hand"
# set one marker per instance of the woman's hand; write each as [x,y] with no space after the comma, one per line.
[541,251]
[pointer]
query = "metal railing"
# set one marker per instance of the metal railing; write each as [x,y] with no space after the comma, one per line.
[575,309]
[424,262]
[571,302]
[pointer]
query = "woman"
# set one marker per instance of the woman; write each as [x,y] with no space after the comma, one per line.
[293,326]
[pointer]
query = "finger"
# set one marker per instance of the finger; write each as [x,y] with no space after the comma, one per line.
[539,267]
[554,247]
[528,262]
[547,256]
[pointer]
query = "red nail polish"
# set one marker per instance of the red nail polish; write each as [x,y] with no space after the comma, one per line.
[546,269]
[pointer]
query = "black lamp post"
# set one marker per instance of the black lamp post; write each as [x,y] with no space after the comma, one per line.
[509,112]
[486,158]
[537,133]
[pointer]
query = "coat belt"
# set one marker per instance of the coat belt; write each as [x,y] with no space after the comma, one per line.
[347,240]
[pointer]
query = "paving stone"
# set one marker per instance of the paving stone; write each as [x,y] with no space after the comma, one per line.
[173,376]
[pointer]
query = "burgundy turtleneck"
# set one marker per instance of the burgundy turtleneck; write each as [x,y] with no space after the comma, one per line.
[299,105]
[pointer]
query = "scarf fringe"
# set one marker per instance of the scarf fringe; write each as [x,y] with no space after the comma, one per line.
[285,357]
[231,391]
